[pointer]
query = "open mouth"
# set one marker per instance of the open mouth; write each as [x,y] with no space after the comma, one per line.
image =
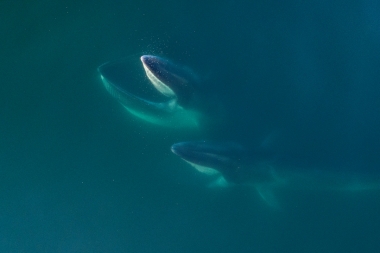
[151,88]
[126,78]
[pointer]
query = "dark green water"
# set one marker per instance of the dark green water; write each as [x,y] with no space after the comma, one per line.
[79,174]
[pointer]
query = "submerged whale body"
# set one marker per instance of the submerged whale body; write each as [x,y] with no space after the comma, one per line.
[157,91]
[230,164]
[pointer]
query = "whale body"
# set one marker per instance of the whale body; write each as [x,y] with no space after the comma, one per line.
[229,164]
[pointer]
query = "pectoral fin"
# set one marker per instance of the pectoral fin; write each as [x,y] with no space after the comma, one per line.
[266,193]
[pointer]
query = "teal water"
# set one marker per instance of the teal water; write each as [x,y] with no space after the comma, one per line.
[79,174]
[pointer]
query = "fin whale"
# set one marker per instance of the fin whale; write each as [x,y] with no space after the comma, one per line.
[162,96]
[231,164]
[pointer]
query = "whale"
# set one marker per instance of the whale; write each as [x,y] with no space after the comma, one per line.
[154,89]
[228,164]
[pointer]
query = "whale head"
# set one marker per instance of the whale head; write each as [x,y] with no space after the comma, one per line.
[157,91]
[223,159]
[171,80]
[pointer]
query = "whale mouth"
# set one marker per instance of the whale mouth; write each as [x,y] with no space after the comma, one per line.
[125,79]
[152,89]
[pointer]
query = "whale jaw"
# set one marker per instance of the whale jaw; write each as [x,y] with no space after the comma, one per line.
[158,97]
